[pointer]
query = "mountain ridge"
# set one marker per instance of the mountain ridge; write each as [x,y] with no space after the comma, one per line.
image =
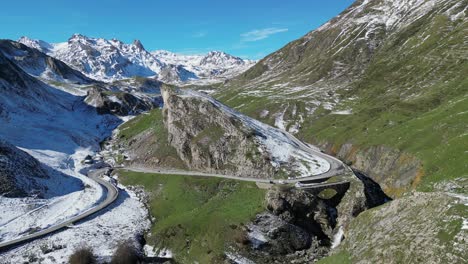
[110,60]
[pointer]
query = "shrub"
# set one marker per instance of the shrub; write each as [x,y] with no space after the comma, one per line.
[83,255]
[126,253]
[241,237]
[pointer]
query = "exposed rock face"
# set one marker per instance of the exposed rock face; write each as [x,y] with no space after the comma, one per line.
[302,209]
[394,170]
[281,236]
[297,227]
[302,225]
[417,228]
[352,203]
[207,139]
[119,103]
[18,172]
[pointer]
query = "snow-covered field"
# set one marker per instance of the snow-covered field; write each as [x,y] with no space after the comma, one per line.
[60,132]
[284,149]
[122,220]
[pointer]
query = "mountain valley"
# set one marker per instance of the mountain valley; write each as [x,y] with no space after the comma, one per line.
[347,145]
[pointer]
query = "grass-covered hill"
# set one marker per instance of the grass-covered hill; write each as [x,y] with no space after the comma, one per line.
[386,74]
[197,218]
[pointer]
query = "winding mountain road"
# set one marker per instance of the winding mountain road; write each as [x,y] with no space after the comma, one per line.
[112,194]
[336,167]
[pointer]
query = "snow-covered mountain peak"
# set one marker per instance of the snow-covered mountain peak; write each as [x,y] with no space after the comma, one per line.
[77,37]
[110,60]
[212,67]
[137,43]
[219,58]
[34,43]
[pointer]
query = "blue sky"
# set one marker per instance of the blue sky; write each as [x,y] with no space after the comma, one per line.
[246,28]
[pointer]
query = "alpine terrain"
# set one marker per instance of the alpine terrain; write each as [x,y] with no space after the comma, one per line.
[347,145]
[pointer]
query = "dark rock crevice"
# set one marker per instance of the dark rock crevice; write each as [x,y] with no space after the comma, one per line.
[301,225]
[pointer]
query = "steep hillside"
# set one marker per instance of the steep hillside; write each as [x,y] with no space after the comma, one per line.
[39,64]
[419,228]
[18,172]
[383,74]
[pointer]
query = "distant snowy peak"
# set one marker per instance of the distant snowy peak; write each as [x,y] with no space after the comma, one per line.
[213,58]
[101,59]
[137,43]
[219,58]
[211,67]
[110,60]
[36,44]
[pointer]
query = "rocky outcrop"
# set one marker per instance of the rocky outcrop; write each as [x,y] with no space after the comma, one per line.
[417,228]
[19,172]
[119,103]
[270,233]
[303,225]
[296,227]
[207,139]
[394,170]
[303,209]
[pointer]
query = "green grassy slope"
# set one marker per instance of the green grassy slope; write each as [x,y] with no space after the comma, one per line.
[413,97]
[399,232]
[411,94]
[196,217]
[155,144]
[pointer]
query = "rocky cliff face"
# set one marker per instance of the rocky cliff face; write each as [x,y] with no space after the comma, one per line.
[208,140]
[120,103]
[19,172]
[302,225]
[418,228]
[395,171]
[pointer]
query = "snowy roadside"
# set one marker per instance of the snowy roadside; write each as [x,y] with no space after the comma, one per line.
[125,219]
[60,135]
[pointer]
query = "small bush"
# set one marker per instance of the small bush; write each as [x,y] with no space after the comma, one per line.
[126,253]
[241,237]
[46,248]
[82,255]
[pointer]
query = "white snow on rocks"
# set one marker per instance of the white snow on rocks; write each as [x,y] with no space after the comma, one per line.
[212,67]
[111,60]
[279,119]
[343,112]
